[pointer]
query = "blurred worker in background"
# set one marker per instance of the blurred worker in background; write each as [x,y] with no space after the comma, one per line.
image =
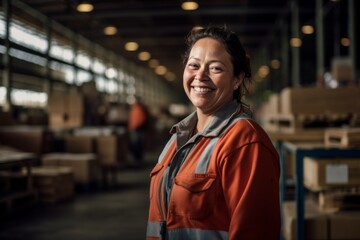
[138,121]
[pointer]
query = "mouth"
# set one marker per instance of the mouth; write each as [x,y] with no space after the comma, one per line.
[202,89]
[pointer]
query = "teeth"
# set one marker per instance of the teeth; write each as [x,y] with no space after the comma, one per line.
[201,89]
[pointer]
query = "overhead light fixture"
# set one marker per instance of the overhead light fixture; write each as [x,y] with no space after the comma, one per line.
[110,30]
[345,42]
[144,56]
[131,46]
[170,76]
[307,29]
[275,64]
[84,6]
[189,5]
[153,63]
[160,70]
[263,71]
[197,28]
[295,42]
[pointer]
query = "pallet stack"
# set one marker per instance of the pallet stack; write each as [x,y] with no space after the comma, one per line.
[301,109]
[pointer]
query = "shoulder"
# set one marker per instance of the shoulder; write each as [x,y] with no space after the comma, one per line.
[244,132]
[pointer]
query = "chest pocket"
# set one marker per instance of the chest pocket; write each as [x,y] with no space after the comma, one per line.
[193,196]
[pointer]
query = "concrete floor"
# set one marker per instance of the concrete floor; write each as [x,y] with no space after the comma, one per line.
[118,212]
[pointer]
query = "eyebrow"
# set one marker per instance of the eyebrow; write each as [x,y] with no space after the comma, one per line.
[212,61]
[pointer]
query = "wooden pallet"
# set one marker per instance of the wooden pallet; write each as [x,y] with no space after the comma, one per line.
[301,122]
[342,137]
[340,199]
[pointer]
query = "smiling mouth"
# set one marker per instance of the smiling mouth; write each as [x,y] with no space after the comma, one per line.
[202,89]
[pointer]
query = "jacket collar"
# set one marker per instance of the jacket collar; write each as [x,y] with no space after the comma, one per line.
[215,127]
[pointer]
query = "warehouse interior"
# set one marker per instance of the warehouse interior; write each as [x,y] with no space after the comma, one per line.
[70,70]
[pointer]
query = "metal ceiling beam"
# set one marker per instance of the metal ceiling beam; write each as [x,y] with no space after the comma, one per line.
[135,13]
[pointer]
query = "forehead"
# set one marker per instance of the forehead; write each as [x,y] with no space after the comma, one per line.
[209,46]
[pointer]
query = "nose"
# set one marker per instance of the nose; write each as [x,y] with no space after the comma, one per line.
[201,74]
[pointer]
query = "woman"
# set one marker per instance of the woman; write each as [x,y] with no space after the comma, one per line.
[218,176]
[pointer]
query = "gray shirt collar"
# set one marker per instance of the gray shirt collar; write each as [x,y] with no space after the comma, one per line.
[214,128]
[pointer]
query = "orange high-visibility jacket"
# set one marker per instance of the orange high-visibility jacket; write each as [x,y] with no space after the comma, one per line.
[222,183]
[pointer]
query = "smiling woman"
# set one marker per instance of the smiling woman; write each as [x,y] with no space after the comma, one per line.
[213,175]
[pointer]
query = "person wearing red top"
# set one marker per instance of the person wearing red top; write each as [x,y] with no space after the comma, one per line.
[138,119]
[217,177]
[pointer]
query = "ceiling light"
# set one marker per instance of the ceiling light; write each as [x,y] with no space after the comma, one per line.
[110,30]
[153,63]
[295,42]
[307,29]
[345,42]
[84,7]
[160,70]
[170,76]
[144,56]
[131,46]
[275,64]
[197,28]
[264,71]
[189,5]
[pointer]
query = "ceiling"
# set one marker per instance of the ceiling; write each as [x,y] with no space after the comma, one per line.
[160,26]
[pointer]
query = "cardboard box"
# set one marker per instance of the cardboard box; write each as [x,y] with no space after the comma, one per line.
[318,101]
[54,184]
[342,69]
[80,144]
[75,104]
[325,173]
[85,166]
[57,103]
[344,225]
[31,139]
[315,222]
[112,149]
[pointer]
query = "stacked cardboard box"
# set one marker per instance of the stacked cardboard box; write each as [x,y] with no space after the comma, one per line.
[85,166]
[27,138]
[54,184]
[325,173]
[65,109]
[322,225]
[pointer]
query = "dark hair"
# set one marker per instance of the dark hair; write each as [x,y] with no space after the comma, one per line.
[239,58]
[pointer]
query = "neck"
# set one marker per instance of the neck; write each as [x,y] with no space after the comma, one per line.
[203,121]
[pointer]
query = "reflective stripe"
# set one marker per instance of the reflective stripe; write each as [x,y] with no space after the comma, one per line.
[154,229]
[196,234]
[203,163]
[166,148]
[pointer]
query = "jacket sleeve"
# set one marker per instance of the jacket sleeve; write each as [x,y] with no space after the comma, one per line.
[250,183]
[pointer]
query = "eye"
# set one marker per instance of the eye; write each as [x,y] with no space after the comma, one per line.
[193,65]
[215,69]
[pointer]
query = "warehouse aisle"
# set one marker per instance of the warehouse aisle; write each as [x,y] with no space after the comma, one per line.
[116,213]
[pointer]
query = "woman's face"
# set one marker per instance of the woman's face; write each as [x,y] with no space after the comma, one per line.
[208,77]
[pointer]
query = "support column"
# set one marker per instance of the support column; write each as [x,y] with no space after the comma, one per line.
[7,79]
[295,51]
[320,54]
[354,38]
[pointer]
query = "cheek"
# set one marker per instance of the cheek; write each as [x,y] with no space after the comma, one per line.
[186,79]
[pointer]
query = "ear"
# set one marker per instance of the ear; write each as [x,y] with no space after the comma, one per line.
[238,80]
